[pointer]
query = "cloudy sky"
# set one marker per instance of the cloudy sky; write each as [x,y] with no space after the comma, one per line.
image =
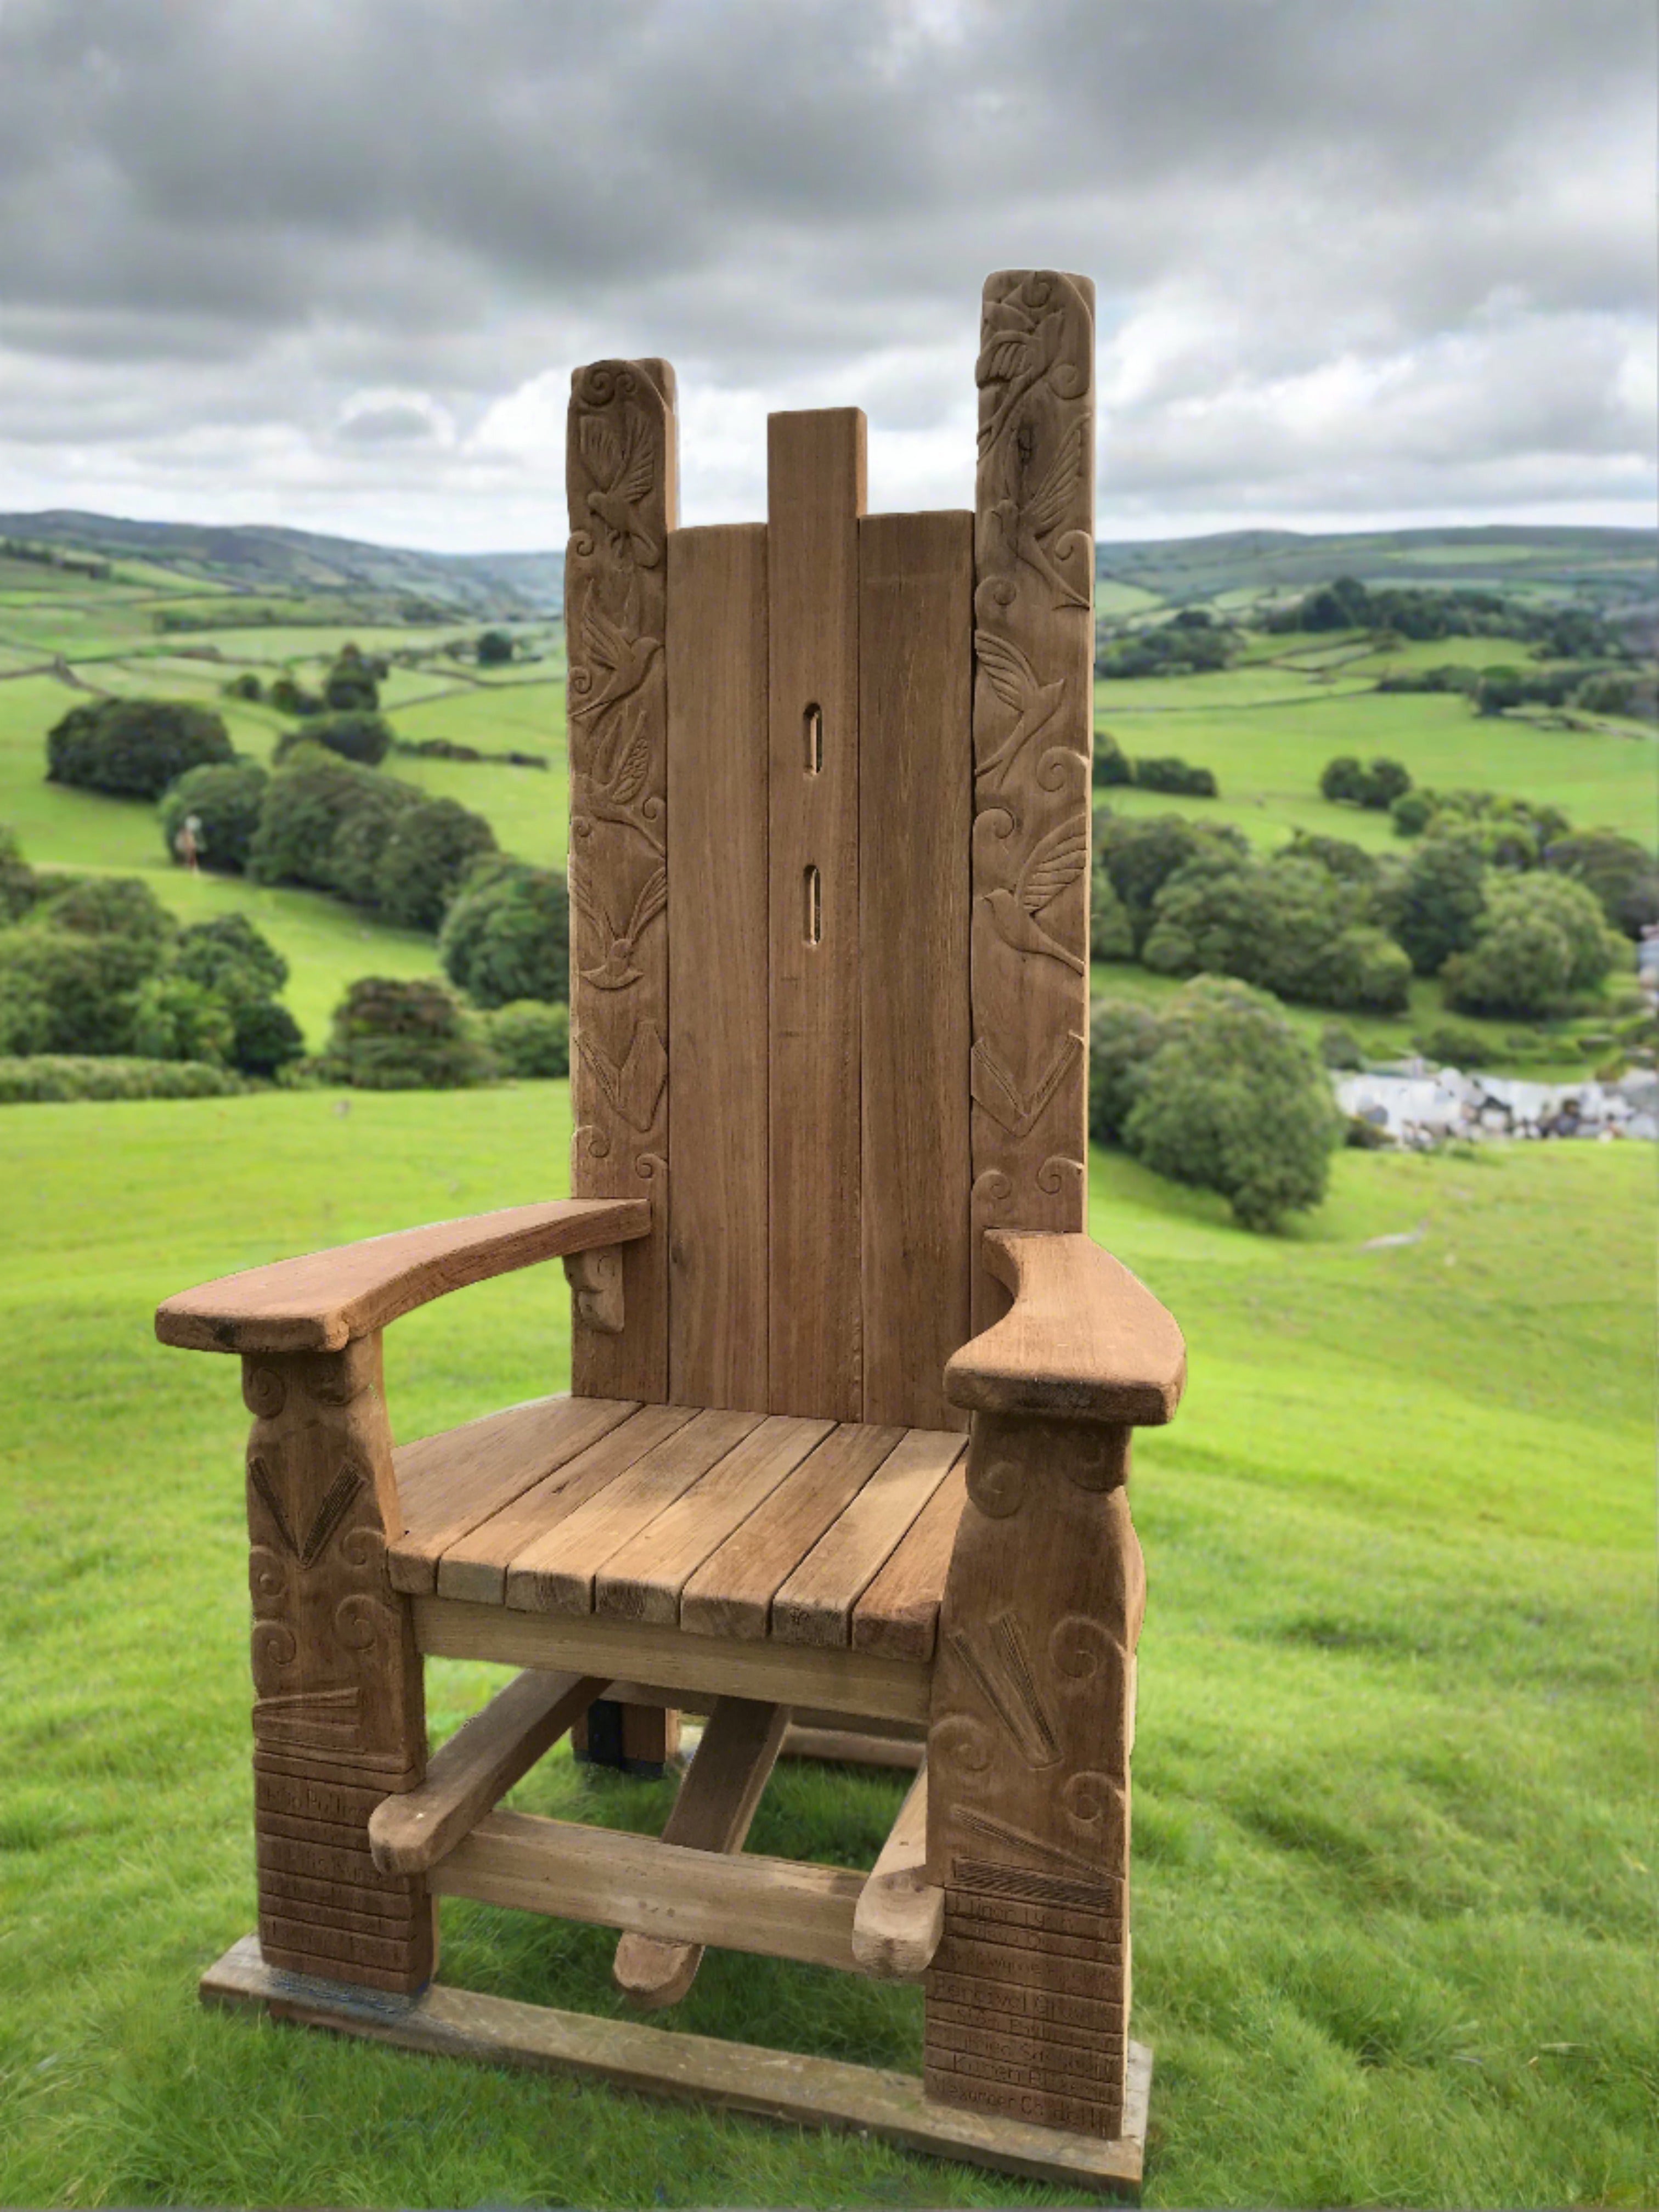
[329,263]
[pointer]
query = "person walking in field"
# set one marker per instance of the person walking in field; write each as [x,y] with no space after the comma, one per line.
[188,843]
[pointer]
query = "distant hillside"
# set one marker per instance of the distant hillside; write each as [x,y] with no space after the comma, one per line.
[1618,569]
[254,558]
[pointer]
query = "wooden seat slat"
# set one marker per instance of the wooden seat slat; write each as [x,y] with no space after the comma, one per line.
[475,1567]
[815,1606]
[554,1572]
[898,1614]
[448,1484]
[732,1593]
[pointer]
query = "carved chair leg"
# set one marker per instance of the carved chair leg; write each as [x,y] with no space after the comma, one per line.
[339,1717]
[1027,2001]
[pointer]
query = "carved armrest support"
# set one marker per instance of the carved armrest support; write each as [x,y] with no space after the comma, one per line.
[328,1300]
[1083,1340]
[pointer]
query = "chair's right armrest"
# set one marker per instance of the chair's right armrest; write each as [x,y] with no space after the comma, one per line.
[328,1299]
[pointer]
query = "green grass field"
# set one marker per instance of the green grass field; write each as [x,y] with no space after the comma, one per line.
[1394,1831]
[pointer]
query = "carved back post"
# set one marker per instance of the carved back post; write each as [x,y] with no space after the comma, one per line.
[829,856]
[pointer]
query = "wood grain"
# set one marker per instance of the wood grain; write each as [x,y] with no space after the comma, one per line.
[900,1915]
[474,1567]
[816,493]
[476,1767]
[1033,743]
[732,1593]
[328,1299]
[643,1579]
[915,809]
[775,2085]
[622,477]
[718,746]
[716,1803]
[815,1606]
[898,1614]
[448,1484]
[1084,1338]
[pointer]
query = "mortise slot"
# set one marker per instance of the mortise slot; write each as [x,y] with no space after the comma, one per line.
[812,725]
[812,907]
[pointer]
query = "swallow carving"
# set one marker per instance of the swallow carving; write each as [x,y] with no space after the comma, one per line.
[1026,517]
[1058,861]
[1014,680]
[623,463]
[634,1088]
[617,971]
[624,661]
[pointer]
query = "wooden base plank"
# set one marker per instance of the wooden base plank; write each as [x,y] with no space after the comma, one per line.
[775,2085]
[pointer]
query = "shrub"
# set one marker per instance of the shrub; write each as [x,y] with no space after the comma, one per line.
[1288,927]
[364,736]
[1232,1100]
[1542,941]
[494,648]
[1111,764]
[304,807]
[246,686]
[1348,782]
[65,993]
[431,847]
[349,686]
[52,1078]
[289,697]
[1438,901]
[507,934]
[397,1036]
[17,885]
[225,801]
[176,1018]
[1122,1037]
[1621,873]
[359,844]
[1170,773]
[229,955]
[1385,781]
[1352,863]
[1453,1045]
[265,1037]
[138,931]
[531,1039]
[133,747]
[1110,936]
[1412,812]
[1340,1047]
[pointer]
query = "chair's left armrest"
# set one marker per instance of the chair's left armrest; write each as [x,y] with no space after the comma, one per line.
[328,1299]
[1083,1340]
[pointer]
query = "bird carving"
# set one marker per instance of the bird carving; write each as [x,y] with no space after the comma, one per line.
[1053,864]
[617,971]
[1018,349]
[624,662]
[1026,517]
[623,463]
[1014,680]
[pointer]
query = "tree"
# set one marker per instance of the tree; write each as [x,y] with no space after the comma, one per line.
[507,934]
[229,955]
[1122,1038]
[1139,857]
[1620,873]
[349,685]
[1110,936]
[1111,765]
[62,992]
[494,646]
[1385,781]
[1542,941]
[1439,900]
[1232,1100]
[225,801]
[1291,927]
[17,887]
[428,852]
[1343,780]
[265,1038]
[390,1035]
[133,748]
[1168,773]
[531,1039]
[135,929]
[303,808]
[362,736]
[177,1018]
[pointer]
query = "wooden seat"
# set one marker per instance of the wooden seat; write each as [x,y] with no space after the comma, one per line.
[724,1524]
[852,1390]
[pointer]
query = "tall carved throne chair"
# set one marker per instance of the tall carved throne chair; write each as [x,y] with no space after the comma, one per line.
[847,1440]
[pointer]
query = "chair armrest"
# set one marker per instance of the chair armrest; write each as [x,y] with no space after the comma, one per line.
[324,1301]
[1083,1340]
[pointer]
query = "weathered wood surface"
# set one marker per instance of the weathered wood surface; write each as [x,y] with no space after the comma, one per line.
[474,1771]
[853,1747]
[900,1915]
[915,808]
[1084,1338]
[718,744]
[622,476]
[815,494]
[741,1902]
[898,1614]
[842,1681]
[815,1605]
[1028,1998]
[772,2085]
[339,1719]
[716,1803]
[326,1300]
[1033,745]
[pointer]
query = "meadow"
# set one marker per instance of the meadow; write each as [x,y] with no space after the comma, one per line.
[1394,1832]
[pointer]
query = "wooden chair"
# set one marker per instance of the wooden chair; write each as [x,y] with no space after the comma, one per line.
[849,1429]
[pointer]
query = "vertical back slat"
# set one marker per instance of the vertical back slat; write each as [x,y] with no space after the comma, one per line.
[915,778]
[816,475]
[717,950]
[621,477]
[1033,742]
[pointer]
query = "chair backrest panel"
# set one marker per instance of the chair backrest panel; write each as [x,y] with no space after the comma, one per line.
[829,785]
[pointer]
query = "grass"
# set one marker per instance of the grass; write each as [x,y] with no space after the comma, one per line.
[1394,1824]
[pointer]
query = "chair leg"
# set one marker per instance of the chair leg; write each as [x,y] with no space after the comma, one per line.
[339,1718]
[1027,1999]
[638,1740]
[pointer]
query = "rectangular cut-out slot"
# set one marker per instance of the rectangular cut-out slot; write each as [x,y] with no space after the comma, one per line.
[812,725]
[812,884]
